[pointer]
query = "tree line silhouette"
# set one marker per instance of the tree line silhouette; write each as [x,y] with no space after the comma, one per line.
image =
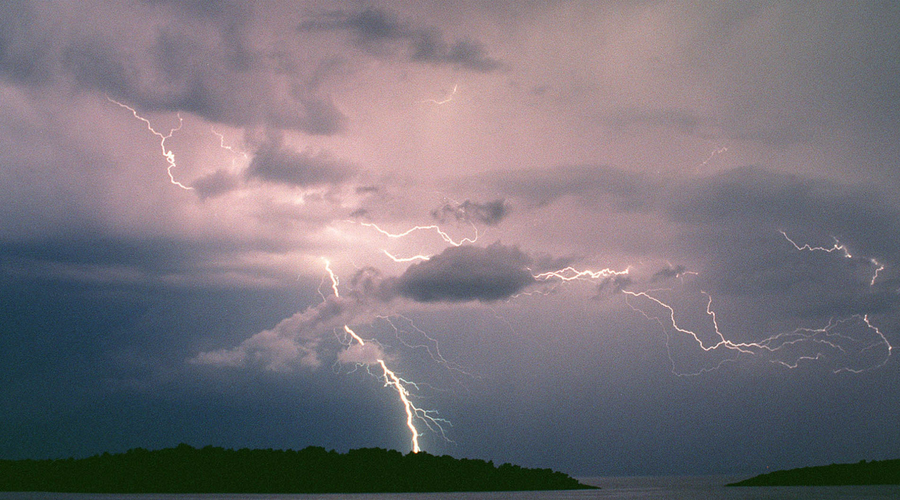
[185,469]
[860,473]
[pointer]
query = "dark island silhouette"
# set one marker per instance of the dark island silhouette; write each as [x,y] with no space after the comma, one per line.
[185,469]
[861,473]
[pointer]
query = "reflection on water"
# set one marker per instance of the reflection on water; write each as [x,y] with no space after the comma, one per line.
[674,488]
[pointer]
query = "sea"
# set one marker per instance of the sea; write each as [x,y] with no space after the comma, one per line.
[668,487]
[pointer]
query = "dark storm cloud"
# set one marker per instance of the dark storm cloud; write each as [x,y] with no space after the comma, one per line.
[738,218]
[215,184]
[277,163]
[201,61]
[615,283]
[489,213]
[239,89]
[753,196]
[359,213]
[99,258]
[22,52]
[745,200]
[374,29]
[98,255]
[467,273]
[788,71]
[668,272]
[728,226]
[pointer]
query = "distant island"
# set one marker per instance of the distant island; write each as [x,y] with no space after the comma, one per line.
[185,469]
[861,473]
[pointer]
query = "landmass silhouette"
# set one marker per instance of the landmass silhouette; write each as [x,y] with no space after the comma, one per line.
[860,473]
[185,469]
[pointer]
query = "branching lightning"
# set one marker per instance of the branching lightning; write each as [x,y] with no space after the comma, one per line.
[167,153]
[432,346]
[400,385]
[433,227]
[571,274]
[803,344]
[444,236]
[852,344]
[838,246]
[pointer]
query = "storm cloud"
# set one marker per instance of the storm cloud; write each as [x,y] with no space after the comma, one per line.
[376,30]
[466,273]
[201,63]
[277,163]
[735,160]
[488,213]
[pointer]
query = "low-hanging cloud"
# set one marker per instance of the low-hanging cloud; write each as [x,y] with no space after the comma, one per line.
[364,354]
[458,274]
[292,339]
[467,273]
[489,213]
[375,29]
[203,61]
[277,163]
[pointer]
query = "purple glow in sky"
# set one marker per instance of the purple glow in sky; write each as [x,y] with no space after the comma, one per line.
[654,237]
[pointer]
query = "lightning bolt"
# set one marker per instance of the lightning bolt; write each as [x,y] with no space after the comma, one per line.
[411,411]
[432,346]
[227,147]
[406,259]
[446,99]
[335,281]
[838,246]
[850,337]
[571,274]
[167,153]
[828,338]
[711,155]
[398,384]
[433,227]
[444,236]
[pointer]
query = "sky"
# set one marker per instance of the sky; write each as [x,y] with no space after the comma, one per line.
[609,237]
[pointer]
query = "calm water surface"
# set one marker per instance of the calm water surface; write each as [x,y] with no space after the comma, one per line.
[674,488]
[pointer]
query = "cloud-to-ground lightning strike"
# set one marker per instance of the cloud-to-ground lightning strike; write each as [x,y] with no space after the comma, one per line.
[834,248]
[401,386]
[167,153]
[392,379]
